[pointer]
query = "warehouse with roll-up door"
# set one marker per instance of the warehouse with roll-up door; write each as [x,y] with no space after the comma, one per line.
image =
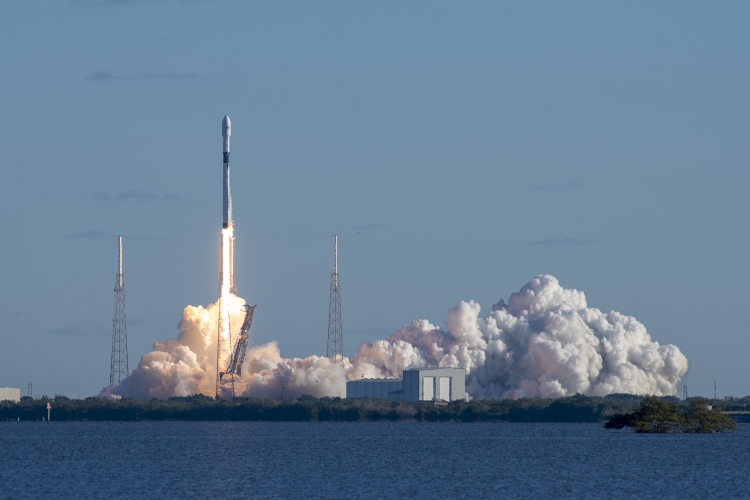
[435,384]
[424,384]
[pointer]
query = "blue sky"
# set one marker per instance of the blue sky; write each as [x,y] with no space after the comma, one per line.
[457,148]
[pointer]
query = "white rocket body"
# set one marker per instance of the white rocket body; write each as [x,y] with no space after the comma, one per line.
[226,132]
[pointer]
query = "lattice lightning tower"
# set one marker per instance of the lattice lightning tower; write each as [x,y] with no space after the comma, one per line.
[335,338]
[119,368]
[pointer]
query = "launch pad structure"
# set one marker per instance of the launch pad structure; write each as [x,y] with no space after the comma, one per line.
[335,350]
[240,347]
[119,363]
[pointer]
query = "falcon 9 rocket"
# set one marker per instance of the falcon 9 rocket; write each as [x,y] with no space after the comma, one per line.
[227,228]
[226,272]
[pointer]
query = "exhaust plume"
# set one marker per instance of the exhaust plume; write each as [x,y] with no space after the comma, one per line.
[545,342]
[187,365]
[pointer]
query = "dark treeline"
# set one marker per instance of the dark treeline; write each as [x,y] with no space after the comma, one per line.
[308,409]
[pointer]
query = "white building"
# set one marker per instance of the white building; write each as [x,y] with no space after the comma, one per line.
[424,384]
[10,394]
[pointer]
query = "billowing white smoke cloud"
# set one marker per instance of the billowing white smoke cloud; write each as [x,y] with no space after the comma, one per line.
[545,342]
[187,365]
[266,374]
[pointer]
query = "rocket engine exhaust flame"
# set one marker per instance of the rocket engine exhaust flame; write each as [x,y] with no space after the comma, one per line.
[224,338]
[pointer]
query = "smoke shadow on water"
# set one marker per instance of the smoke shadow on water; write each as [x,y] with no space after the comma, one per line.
[365,460]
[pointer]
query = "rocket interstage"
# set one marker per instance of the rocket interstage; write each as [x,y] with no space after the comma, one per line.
[226,272]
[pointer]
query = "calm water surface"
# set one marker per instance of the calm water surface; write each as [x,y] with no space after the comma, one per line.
[365,460]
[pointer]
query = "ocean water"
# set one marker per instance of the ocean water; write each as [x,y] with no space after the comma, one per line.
[365,461]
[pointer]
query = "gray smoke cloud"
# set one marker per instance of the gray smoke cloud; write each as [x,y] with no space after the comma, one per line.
[544,342]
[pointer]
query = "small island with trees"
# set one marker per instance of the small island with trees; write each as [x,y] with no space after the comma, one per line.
[663,416]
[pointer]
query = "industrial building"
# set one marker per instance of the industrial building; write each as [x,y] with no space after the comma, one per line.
[386,388]
[10,394]
[423,384]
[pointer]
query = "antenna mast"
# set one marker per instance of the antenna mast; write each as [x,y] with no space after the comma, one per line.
[335,338]
[119,368]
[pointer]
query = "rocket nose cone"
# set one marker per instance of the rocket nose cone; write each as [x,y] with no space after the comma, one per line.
[226,127]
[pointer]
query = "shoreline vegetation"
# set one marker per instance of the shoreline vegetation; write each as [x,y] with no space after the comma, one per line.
[615,408]
[656,415]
